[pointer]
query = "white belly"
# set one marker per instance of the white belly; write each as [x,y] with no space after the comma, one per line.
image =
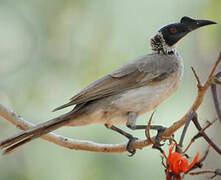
[146,98]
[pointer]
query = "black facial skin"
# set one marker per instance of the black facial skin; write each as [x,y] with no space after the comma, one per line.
[172,33]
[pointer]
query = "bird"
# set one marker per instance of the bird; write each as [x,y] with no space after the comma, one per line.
[135,88]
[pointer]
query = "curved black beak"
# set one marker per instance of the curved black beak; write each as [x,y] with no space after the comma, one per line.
[173,33]
[192,24]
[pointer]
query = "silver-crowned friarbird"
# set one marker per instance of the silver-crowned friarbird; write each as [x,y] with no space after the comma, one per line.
[121,96]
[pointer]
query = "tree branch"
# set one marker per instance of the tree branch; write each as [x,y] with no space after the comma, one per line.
[204,135]
[214,94]
[66,142]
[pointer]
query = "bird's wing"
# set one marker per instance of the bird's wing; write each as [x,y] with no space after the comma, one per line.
[136,73]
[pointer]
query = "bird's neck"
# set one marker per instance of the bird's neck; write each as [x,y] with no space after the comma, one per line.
[158,44]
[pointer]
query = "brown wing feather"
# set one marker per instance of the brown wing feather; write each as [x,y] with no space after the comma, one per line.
[136,73]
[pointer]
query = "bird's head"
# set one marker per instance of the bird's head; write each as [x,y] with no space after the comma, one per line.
[168,36]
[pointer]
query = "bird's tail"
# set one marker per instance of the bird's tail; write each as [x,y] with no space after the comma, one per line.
[12,143]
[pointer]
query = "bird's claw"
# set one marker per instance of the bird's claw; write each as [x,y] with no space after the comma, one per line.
[157,143]
[129,144]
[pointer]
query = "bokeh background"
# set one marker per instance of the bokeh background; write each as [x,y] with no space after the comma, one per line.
[49,50]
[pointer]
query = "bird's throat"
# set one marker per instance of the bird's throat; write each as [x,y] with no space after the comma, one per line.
[158,44]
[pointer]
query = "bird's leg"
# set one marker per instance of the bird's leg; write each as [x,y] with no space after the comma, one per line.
[114,128]
[127,135]
[131,123]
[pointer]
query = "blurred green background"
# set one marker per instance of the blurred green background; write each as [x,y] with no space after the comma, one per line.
[50,50]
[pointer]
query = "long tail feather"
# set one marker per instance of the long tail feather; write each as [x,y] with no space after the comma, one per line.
[63,106]
[14,142]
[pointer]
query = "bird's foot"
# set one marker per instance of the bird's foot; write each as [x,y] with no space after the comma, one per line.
[160,131]
[127,135]
[129,146]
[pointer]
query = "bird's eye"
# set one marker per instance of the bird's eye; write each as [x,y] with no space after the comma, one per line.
[173,30]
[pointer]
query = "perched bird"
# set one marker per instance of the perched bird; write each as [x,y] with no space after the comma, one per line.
[121,96]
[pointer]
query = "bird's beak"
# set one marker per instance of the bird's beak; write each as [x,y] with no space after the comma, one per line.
[173,33]
[192,24]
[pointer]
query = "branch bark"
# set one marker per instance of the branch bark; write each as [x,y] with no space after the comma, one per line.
[66,142]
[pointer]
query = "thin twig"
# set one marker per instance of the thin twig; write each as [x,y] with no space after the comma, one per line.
[215,97]
[202,172]
[198,135]
[217,172]
[199,163]
[199,84]
[180,145]
[147,130]
[215,67]
[204,135]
